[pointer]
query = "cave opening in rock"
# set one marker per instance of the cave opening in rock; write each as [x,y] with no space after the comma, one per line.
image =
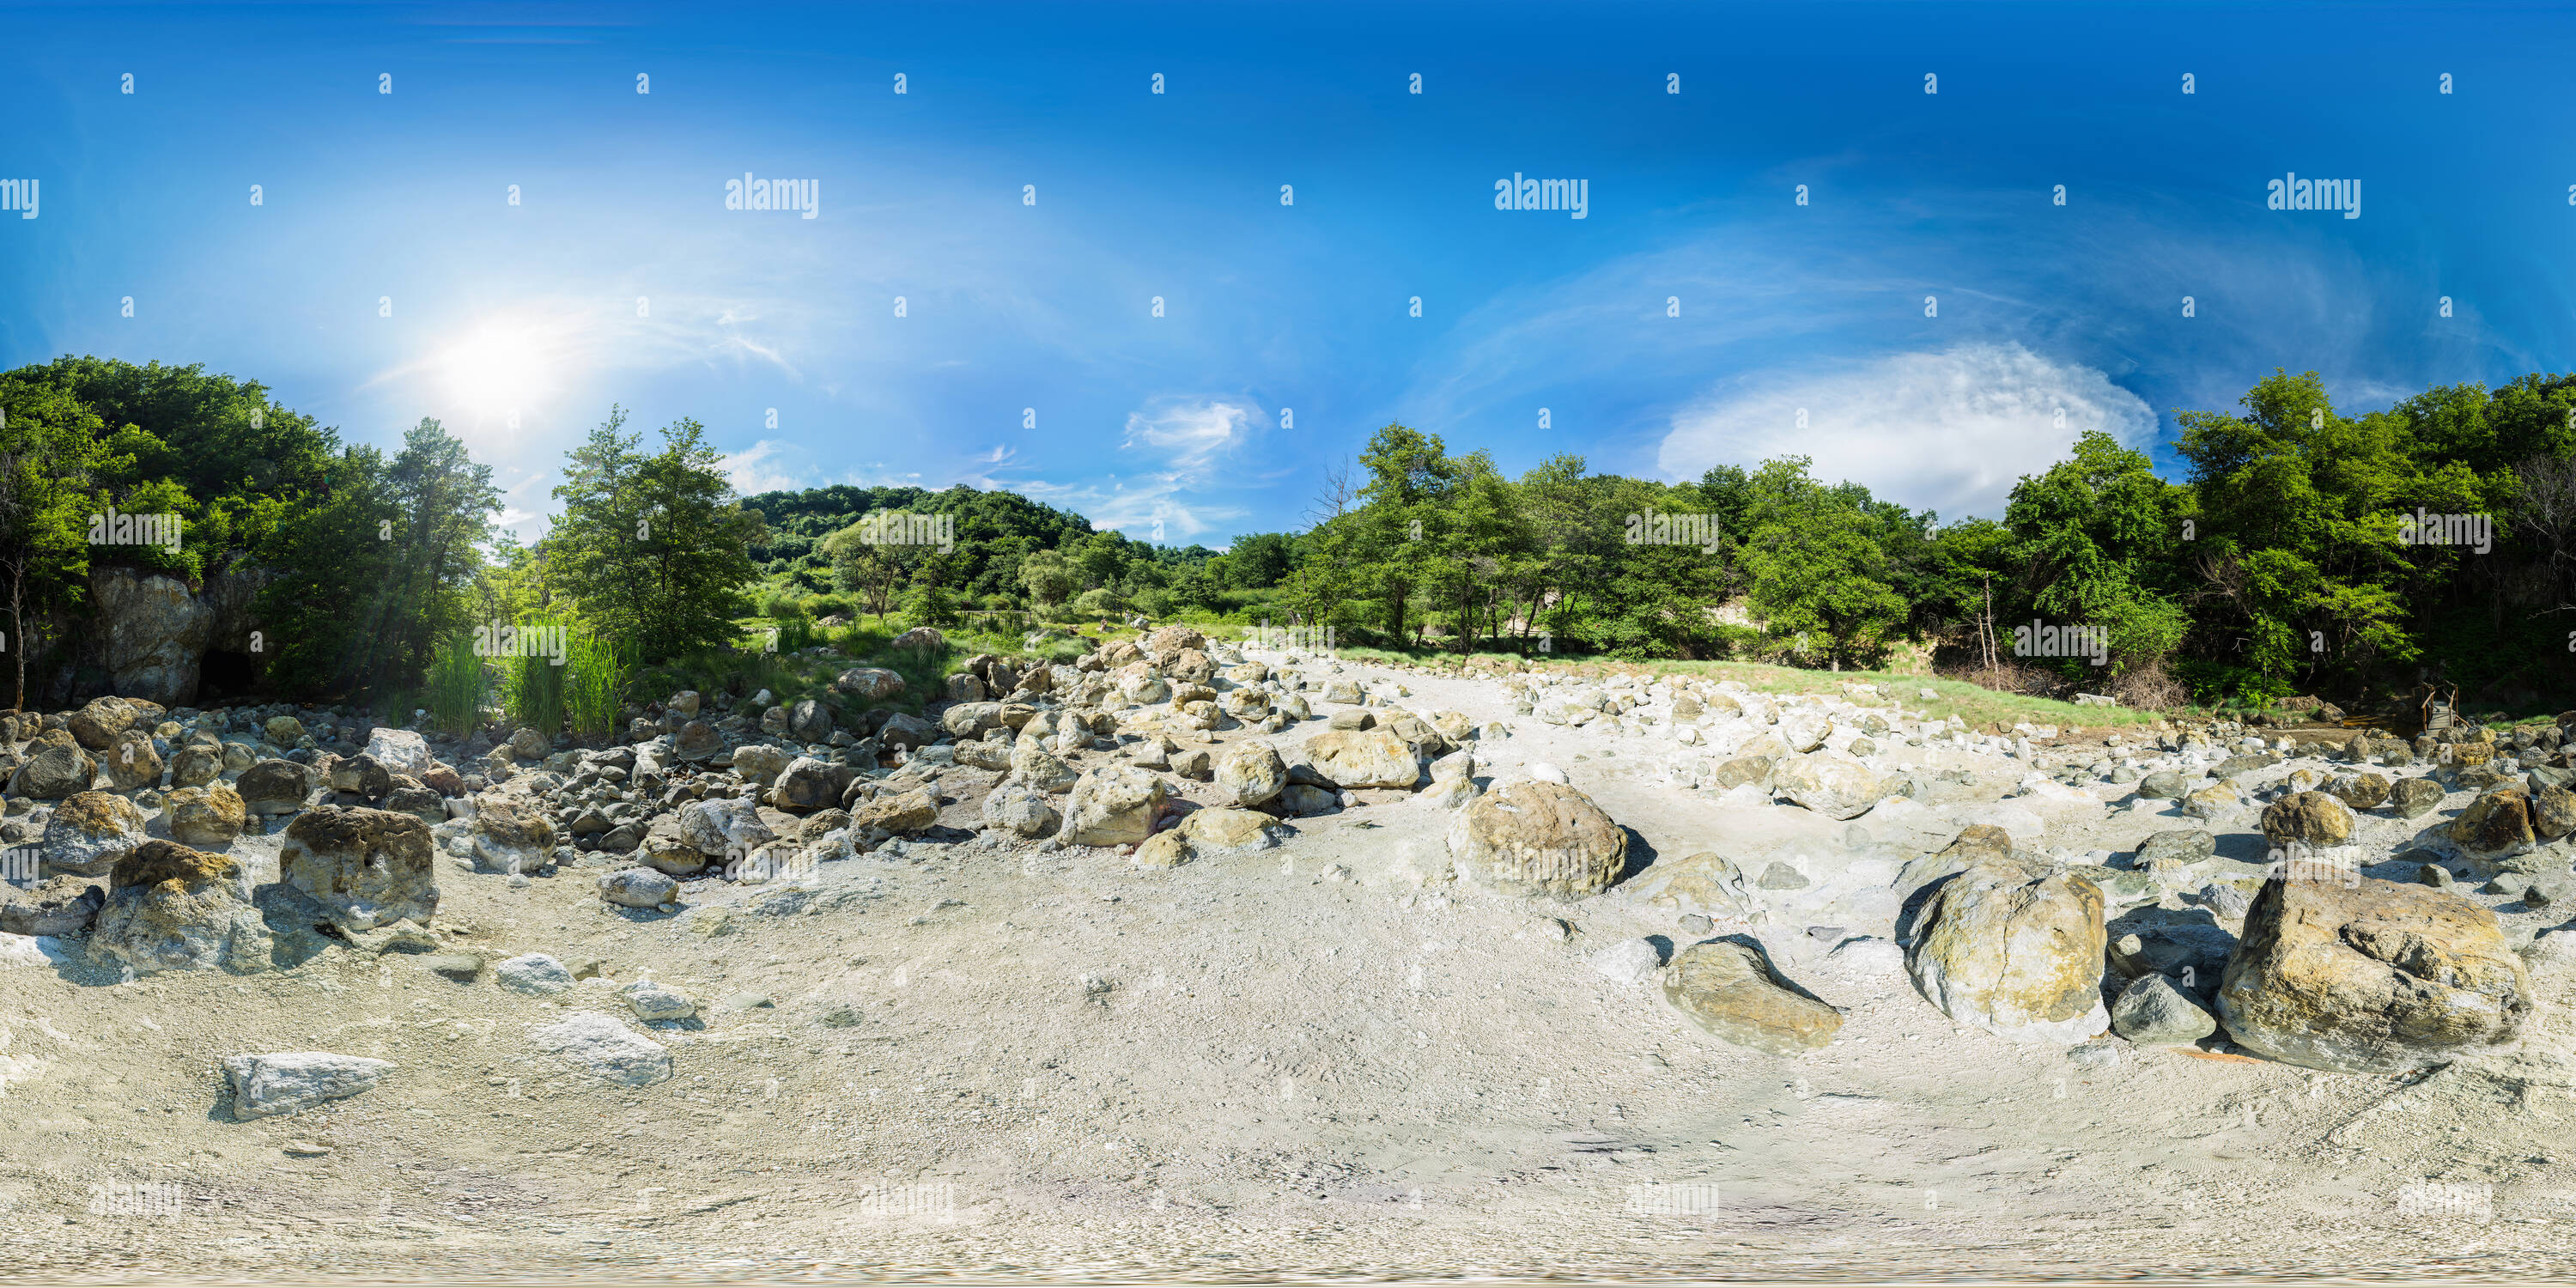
[225,674]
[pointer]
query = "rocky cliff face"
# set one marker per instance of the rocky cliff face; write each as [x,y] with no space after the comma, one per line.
[150,633]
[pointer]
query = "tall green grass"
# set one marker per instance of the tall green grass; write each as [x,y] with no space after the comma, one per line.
[594,684]
[532,685]
[454,693]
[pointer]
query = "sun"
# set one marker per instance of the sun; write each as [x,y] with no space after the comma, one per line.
[498,369]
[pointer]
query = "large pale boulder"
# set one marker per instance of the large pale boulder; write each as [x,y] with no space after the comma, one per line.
[728,825]
[171,908]
[206,817]
[1036,768]
[2498,822]
[1023,812]
[598,1045]
[909,811]
[58,906]
[1364,758]
[133,763]
[400,751]
[1538,839]
[1112,805]
[366,867]
[1251,775]
[1834,786]
[758,763]
[870,683]
[1727,989]
[2368,976]
[292,1081]
[809,721]
[2014,947]
[154,631]
[511,834]
[1226,831]
[88,833]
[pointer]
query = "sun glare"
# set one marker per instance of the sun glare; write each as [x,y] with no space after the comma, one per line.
[497,369]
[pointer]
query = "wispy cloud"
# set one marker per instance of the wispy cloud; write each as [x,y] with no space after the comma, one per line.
[1192,443]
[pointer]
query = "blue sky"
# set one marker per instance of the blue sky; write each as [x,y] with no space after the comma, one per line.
[530,311]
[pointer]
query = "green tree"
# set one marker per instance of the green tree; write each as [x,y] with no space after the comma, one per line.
[1814,567]
[654,549]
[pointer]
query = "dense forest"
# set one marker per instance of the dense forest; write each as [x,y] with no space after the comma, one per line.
[2304,549]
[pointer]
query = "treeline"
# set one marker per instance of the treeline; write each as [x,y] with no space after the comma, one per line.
[361,566]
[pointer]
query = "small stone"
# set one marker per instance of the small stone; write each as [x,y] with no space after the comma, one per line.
[293,1081]
[2152,1012]
[1630,961]
[535,974]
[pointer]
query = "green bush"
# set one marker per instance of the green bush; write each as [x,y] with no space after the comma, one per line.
[532,684]
[454,693]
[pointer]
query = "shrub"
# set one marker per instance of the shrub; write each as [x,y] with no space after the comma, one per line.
[454,692]
[594,684]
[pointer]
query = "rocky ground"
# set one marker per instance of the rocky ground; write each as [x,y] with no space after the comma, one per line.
[1188,963]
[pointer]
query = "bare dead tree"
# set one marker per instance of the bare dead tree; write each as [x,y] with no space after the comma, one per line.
[1334,500]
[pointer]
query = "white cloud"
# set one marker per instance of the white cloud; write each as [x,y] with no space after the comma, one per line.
[1191,441]
[1950,431]
[764,467]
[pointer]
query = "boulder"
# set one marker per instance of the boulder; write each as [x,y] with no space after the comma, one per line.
[361,774]
[196,766]
[1834,786]
[1538,839]
[598,1045]
[1170,642]
[2013,947]
[285,731]
[965,688]
[654,1002]
[54,773]
[289,1082]
[921,637]
[986,754]
[637,888]
[1020,811]
[909,811]
[869,683]
[1165,850]
[1228,831]
[535,974]
[810,784]
[1727,989]
[207,817]
[88,833]
[2415,797]
[1364,758]
[527,743]
[400,751]
[2360,791]
[60,906]
[275,787]
[2313,819]
[97,726]
[171,908]
[366,867]
[2212,802]
[907,731]
[758,763]
[511,834]
[2150,1011]
[2498,822]
[663,850]
[1741,770]
[2164,784]
[419,802]
[698,741]
[728,825]
[809,721]
[1036,768]
[2553,812]
[2167,857]
[1112,805]
[2370,976]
